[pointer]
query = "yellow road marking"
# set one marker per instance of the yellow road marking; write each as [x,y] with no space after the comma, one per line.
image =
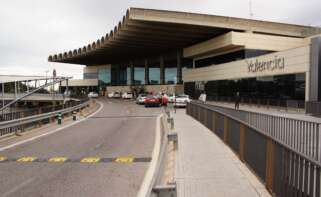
[57,159]
[26,159]
[3,158]
[90,160]
[125,159]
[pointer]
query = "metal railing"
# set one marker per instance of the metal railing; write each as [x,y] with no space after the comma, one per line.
[284,170]
[22,123]
[266,102]
[302,135]
[20,113]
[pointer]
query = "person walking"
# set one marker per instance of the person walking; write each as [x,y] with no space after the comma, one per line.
[237,100]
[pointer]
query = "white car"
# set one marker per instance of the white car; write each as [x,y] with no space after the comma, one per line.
[92,95]
[116,95]
[181,100]
[127,95]
[141,99]
[111,95]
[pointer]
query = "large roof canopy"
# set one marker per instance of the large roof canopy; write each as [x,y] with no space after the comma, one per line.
[145,32]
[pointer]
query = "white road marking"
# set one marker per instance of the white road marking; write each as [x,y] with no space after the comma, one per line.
[51,132]
[16,188]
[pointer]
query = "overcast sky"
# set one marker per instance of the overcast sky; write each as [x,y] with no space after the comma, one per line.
[32,30]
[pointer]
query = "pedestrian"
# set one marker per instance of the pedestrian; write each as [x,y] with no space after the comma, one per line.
[202,97]
[237,100]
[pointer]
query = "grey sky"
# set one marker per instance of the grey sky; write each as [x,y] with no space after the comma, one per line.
[31,30]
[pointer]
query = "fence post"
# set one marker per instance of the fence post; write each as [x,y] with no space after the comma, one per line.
[242,141]
[226,129]
[205,117]
[22,126]
[214,121]
[269,164]
[40,121]
[199,113]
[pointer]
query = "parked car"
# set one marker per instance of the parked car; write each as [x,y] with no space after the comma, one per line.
[141,99]
[117,95]
[152,101]
[111,95]
[92,95]
[171,98]
[181,100]
[127,95]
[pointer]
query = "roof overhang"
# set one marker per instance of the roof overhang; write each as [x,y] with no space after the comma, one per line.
[147,32]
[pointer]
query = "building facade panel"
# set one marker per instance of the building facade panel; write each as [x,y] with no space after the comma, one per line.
[295,61]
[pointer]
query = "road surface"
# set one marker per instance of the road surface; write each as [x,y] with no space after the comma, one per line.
[92,158]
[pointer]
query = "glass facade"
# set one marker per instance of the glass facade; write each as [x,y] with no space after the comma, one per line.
[139,74]
[154,73]
[120,74]
[104,77]
[283,87]
[171,70]
[170,75]
[91,75]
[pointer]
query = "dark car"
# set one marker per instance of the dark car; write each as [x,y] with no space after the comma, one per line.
[152,101]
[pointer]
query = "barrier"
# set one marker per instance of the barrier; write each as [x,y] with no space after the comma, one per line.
[284,170]
[302,135]
[20,124]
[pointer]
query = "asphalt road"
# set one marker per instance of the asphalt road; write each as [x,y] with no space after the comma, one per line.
[119,129]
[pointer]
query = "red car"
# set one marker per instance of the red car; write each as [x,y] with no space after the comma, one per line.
[152,101]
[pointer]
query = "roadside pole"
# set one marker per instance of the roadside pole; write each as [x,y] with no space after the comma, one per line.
[2,97]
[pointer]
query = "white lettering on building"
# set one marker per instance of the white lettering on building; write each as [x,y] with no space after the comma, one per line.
[277,63]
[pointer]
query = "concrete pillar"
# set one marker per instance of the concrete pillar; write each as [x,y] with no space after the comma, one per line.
[313,79]
[15,89]
[27,84]
[162,70]
[132,73]
[146,72]
[2,96]
[179,67]
[67,84]
[315,74]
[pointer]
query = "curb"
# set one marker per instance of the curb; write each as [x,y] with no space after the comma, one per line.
[151,174]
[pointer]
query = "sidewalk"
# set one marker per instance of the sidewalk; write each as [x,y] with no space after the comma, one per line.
[206,167]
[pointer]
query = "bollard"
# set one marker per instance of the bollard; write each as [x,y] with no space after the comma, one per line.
[59,118]
[74,117]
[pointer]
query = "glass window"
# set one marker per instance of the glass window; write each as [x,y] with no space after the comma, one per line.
[139,75]
[283,87]
[170,75]
[123,75]
[104,75]
[154,75]
[90,75]
[128,75]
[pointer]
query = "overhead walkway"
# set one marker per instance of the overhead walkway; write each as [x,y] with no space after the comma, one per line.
[36,97]
[22,88]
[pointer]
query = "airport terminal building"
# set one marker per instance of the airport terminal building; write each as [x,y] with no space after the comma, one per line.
[156,50]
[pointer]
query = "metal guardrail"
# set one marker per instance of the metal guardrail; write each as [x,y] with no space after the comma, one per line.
[284,170]
[11,126]
[20,113]
[303,136]
[267,102]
